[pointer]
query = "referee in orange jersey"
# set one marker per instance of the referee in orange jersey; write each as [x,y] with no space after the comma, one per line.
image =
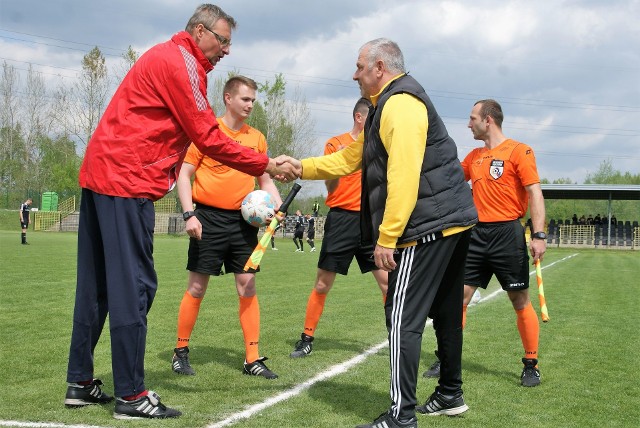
[341,239]
[219,236]
[505,183]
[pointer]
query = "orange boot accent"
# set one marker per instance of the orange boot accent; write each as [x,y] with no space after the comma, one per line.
[187,316]
[315,306]
[250,323]
[529,328]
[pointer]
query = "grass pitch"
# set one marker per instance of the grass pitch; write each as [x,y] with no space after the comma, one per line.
[588,351]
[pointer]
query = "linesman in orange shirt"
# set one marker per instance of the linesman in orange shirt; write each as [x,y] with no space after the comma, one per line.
[341,241]
[219,236]
[504,179]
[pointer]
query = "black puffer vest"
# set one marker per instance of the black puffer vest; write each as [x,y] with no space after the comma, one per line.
[444,198]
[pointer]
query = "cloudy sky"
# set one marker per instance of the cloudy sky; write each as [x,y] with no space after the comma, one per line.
[567,72]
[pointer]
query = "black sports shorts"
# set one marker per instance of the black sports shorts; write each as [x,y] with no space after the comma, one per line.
[500,249]
[226,240]
[341,243]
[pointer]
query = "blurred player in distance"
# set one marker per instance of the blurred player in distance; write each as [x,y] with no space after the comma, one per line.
[219,236]
[298,232]
[311,231]
[25,209]
[341,239]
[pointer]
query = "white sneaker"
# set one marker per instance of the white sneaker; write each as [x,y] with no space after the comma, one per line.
[313,249]
[299,250]
[274,249]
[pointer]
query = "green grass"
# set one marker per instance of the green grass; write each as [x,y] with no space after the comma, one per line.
[588,351]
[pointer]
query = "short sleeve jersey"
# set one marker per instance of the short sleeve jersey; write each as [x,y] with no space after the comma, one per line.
[349,191]
[498,179]
[217,185]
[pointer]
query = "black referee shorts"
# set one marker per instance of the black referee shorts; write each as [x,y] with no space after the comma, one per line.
[227,240]
[341,243]
[500,249]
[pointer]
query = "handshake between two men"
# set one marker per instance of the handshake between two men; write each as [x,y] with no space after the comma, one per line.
[284,168]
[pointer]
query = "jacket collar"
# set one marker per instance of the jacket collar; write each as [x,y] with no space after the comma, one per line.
[185,40]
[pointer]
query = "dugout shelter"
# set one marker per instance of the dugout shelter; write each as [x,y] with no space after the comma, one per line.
[608,192]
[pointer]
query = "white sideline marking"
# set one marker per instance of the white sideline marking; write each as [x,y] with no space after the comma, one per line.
[333,371]
[252,410]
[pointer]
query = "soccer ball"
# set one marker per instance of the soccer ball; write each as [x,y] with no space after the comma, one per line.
[258,208]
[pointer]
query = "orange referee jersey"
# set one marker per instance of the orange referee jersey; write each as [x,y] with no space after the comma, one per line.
[498,179]
[217,185]
[348,193]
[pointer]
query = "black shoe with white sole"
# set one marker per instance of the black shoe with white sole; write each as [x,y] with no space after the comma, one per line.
[440,404]
[148,406]
[86,395]
[258,368]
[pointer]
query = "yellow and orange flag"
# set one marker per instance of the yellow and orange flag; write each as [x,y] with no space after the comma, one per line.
[543,302]
[258,252]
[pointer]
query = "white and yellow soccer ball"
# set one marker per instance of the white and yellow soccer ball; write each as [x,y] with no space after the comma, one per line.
[258,208]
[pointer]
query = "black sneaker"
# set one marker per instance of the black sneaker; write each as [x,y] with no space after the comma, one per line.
[180,362]
[530,374]
[385,420]
[303,346]
[148,406]
[434,370]
[440,404]
[258,368]
[79,395]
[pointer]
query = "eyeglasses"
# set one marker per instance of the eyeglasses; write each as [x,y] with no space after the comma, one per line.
[224,42]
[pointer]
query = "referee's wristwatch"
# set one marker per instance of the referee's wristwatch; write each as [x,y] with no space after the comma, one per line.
[187,215]
[539,235]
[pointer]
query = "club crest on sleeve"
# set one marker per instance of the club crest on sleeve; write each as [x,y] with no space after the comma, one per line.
[496,169]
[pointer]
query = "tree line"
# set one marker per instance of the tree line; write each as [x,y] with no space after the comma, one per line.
[44,132]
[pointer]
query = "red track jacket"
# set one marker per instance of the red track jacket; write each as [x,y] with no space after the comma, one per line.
[160,107]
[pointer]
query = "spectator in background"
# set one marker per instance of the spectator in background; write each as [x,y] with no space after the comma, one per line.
[574,219]
[316,208]
[582,220]
[597,220]
[614,220]
[589,219]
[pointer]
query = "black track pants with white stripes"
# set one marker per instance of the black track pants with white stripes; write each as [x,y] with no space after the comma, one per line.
[428,282]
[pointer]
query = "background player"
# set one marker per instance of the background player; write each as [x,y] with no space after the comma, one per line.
[219,234]
[341,240]
[311,232]
[25,209]
[298,232]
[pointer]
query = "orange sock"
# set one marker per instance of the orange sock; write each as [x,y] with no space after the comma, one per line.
[187,316]
[315,306]
[384,299]
[464,316]
[250,323]
[529,328]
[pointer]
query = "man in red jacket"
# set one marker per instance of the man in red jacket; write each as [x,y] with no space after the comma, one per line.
[133,159]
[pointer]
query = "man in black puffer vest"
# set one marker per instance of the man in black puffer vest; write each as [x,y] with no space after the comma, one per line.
[418,210]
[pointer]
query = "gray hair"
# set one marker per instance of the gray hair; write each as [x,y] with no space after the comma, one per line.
[208,15]
[386,50]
